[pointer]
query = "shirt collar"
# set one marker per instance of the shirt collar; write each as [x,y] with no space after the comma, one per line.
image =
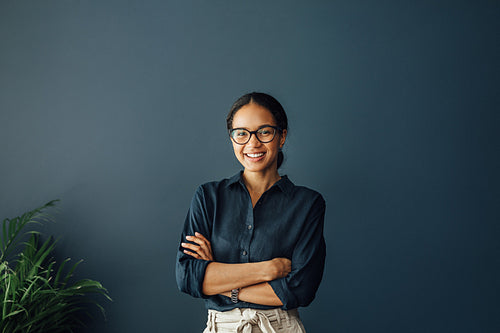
[284,184]
[235,179]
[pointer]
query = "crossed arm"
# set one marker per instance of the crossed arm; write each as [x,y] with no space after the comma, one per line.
[251,278]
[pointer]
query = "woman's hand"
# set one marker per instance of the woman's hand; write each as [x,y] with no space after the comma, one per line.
[279,268]
[202,249]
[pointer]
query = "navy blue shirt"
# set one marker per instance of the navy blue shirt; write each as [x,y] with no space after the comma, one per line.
[287,221]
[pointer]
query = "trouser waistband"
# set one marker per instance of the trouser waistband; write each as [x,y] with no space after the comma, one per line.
[247,317]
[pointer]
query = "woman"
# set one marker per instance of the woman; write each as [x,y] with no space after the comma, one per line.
[252,245]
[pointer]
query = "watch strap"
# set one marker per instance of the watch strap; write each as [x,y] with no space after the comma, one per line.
[234,295]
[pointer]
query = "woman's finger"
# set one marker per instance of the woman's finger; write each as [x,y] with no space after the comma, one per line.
[200,236]
[202,241]
[204,244]
[206,241]
[202,254]
[192,254]
[193,248]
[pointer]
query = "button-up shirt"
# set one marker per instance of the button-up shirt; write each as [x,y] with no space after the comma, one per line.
[287,222]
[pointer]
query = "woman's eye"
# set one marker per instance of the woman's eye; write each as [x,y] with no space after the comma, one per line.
[241,133]
[265,131]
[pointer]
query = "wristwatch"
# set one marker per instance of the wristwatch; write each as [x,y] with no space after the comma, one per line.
[234,295]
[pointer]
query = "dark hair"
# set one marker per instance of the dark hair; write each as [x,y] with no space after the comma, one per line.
[266,101]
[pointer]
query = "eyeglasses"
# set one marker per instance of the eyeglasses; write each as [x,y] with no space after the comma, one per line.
[264,134]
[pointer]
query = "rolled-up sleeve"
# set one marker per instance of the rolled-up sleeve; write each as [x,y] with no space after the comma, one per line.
[299,287]
[189,271]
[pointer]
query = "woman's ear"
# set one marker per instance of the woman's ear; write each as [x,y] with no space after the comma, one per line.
[282,138]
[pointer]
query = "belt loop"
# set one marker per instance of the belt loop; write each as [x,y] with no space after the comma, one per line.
[278,316]
[212,322]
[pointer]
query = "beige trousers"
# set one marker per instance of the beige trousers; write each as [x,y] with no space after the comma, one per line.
[254,321]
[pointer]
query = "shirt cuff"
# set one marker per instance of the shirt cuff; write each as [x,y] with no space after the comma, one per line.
[190,276]
[286,297]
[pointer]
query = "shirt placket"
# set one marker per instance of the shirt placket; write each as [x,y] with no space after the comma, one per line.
[248,232]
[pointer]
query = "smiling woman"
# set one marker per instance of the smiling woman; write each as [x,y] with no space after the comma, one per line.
[252,245]
[258,153]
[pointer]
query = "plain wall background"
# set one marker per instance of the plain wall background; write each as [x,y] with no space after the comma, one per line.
[118,108]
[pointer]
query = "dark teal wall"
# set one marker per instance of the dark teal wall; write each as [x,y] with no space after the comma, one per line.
[118,108]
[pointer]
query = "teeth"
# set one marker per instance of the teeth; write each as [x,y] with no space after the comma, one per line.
[255,155]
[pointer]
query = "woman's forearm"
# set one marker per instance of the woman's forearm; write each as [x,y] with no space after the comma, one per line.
[221,277]
[261,293]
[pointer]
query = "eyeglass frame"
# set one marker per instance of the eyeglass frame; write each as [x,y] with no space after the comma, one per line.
[276,129]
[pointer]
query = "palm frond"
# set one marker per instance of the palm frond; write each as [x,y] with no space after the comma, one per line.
[37,295]
[11,228]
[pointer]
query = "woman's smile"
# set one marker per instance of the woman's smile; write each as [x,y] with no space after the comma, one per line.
[255,157]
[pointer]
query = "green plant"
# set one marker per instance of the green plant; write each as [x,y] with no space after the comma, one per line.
[36,294]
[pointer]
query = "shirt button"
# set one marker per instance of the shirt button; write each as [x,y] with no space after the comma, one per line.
[244,252]
[249,227]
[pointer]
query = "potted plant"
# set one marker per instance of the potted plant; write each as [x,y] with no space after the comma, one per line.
[36,293]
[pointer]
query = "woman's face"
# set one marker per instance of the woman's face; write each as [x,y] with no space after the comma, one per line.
[256,156]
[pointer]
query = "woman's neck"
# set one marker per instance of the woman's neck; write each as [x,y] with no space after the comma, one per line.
[258,182]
